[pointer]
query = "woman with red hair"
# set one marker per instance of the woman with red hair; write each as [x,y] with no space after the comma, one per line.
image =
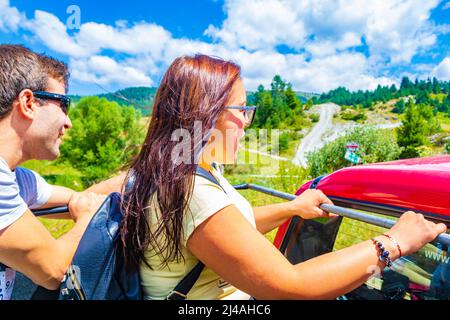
[175,218]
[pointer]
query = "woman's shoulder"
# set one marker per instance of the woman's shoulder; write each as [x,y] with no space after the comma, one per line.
[211,178]
[207,199]
[207,189]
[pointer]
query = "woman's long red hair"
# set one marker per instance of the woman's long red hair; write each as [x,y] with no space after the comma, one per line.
[193,89]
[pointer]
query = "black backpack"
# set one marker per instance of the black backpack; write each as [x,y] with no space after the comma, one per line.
[97,271]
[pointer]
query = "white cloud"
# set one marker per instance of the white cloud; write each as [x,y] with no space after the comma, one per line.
[141,42]
[442,70]
[398,29]
[346,69]
[53,33]
[10,17]
[259,24]
[178,47]
[140,38]
[446,6]
[321,36]
[95,37]
[104,70]
[323,48]
[316,75]
[394,29]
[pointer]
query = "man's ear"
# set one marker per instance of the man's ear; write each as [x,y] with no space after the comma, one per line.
[26,104]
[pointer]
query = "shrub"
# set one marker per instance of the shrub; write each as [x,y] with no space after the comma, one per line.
[104,137]
[353,116]
[418,123]
[374,146]
[399,106]
[284,142]
[314,117]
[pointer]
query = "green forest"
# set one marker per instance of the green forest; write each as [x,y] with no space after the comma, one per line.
[278,107]
[425,92]
[140,98]
[108,128]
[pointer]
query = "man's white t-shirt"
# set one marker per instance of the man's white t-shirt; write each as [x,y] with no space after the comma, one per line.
[19,190]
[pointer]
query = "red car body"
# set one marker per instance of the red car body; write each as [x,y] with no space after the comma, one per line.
[421,185]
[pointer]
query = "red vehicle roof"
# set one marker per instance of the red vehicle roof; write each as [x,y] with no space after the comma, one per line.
[421,184]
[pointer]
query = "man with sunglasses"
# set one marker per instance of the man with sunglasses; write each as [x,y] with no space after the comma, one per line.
[33,120]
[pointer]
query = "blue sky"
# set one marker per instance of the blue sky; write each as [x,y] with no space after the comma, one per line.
[316,45]
[181,18]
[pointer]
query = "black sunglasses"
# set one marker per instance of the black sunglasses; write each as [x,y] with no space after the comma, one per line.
[64,100]
[249,113]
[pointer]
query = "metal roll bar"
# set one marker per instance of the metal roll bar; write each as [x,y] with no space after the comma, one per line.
[443,238]
[50,211]
[344,212]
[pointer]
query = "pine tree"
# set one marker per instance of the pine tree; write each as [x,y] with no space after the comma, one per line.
[292,101]
[399,106]
[265,109]
[422,97]
[436,86]
[412,132]
[405,87]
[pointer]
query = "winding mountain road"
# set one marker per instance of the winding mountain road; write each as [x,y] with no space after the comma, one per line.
[325,131]
[314,139]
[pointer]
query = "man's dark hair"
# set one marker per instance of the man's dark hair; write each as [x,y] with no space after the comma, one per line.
[21,68]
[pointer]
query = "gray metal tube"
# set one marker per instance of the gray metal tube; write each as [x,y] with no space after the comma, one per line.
[344,212]
[50,211]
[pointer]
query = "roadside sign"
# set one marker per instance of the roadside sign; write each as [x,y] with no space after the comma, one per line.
[352,157]
[352,146]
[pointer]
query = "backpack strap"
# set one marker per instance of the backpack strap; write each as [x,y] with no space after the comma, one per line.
[185,285]
[207,175]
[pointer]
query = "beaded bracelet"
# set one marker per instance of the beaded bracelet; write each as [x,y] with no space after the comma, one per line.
[383,254]
[395,242]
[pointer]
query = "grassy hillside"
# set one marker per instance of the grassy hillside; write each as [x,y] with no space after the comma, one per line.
[140,98]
